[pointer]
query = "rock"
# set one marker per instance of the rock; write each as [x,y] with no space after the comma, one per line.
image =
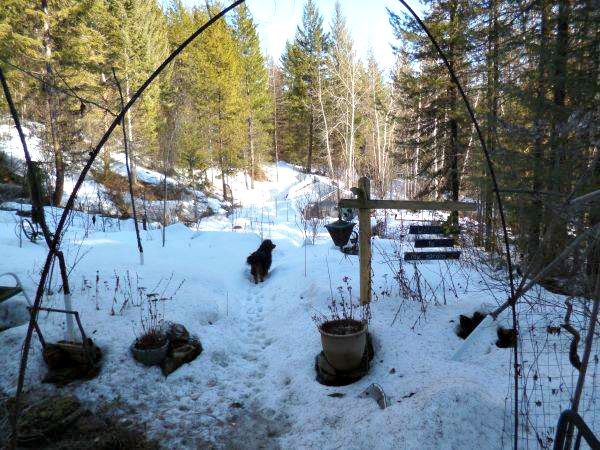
[507,338]
[180,355]
[176,332]
[468,324]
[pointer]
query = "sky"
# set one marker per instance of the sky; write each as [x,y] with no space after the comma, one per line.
[277,22]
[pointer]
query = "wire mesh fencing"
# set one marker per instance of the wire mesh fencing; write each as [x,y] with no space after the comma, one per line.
[550,341]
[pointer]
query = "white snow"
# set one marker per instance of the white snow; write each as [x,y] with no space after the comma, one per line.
[143,174]
[10,143]
[260,341]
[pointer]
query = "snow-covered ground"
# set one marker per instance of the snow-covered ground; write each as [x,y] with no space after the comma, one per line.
[254,385]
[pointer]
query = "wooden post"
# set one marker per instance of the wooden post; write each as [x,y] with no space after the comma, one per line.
[364,204]
[364,238]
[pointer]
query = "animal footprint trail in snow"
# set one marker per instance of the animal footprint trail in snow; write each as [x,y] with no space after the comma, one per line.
[254,342]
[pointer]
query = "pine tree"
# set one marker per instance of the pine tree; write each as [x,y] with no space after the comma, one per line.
[72,58]
[218,82]
[255,96]
[19,45]
[440,130]
[302,60]
[139,45]
[184,133]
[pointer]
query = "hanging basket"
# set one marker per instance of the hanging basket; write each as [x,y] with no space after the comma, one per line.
[340,231]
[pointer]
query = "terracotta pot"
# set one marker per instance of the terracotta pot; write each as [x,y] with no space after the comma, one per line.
[150,356]
[344,343]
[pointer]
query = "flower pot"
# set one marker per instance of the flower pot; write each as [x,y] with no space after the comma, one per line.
[344,343]
[150,356]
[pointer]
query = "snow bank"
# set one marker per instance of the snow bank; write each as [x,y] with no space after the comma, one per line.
[143,174]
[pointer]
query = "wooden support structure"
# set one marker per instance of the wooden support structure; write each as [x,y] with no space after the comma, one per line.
[364,204]
[364,239]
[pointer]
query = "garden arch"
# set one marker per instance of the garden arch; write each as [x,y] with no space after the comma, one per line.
[55,241]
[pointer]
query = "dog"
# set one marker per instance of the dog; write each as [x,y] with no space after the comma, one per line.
[260,260]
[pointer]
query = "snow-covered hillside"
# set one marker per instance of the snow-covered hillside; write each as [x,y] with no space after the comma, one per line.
[254,385]
[97,198]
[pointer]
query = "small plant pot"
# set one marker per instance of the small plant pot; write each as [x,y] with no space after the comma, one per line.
[344,343]
[150,356]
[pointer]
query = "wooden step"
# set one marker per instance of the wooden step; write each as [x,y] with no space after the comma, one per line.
[426,243]
[430,256]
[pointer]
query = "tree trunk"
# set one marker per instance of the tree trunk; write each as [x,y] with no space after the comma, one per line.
[275,125]
[220,150]
[52,111]
[325,130]
[557,181]
[492,122]
[453,154]
[533,226]
[252,156]
[106,149]
[310,142]
[132,161]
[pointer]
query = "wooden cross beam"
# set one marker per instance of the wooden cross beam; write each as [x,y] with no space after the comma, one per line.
[364,204]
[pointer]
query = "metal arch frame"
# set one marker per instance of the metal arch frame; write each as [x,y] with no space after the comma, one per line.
[55,243]
[569,420]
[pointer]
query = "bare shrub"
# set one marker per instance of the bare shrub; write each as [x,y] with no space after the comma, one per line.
[343,307]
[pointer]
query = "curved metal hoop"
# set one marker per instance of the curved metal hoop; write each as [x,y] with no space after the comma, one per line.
[70,202]
[490,166]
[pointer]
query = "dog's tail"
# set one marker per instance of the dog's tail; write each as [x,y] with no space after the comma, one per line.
[251,259]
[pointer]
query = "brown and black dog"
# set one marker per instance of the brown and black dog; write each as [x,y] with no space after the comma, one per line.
[260,260]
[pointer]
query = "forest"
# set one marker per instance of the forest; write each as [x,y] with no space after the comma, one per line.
[531,70]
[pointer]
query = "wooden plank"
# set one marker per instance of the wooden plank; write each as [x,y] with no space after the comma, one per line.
[430,256]
[428,243]
[407,204]
[364,242]
[426,229]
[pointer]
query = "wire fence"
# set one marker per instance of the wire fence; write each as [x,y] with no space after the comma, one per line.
[549,339]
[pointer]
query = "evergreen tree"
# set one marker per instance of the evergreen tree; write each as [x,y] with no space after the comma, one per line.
[302,61]
[73,57]
[218,82]
[255,98]
[139,45]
